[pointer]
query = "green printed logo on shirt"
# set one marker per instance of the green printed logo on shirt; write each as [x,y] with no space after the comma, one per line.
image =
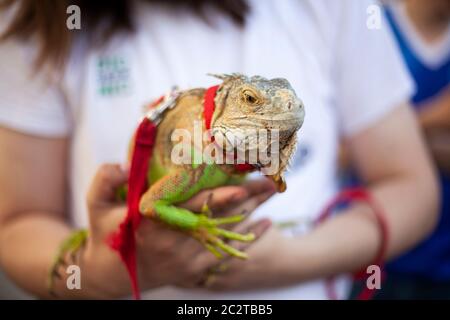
[113,76]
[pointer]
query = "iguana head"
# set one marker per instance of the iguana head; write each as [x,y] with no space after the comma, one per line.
[258,116]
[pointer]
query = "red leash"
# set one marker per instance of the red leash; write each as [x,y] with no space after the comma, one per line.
[208,110]
[359,195]
[123,241]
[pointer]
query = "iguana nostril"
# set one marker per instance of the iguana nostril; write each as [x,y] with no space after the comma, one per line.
[289,105]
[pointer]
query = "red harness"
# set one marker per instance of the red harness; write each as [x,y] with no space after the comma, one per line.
[123,241]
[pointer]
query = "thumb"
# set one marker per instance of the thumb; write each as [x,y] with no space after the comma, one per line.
[107,180]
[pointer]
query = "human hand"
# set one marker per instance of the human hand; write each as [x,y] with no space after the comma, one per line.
[232,200]
[269,265]
[158,263]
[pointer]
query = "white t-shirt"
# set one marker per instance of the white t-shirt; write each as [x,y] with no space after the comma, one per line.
[348,76]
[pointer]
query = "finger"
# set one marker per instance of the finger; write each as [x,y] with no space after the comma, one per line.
[258,192]
[258,228]
[205,262]
[229,196]
[257,186]
[153,235]
[247,206]
[220,198]
[108,178]
[103,222]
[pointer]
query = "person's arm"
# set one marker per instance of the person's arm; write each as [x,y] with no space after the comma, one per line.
[434,117]
[439,146]
[391,158]
[435,114]
[32,206]
[32,216]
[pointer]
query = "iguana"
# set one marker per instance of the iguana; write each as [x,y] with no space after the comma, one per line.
[242,105]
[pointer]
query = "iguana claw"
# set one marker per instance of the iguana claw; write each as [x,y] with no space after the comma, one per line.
[208,234]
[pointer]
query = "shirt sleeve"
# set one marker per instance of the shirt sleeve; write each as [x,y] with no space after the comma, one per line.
[371,77]
[29,101]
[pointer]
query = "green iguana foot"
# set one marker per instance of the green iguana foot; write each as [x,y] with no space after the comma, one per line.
[209,235]
[205,229]
[205,208]
[69,247]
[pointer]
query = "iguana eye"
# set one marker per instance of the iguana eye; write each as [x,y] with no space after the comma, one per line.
[249,97]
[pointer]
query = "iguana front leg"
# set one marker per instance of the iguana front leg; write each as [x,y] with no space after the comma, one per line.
[159,202]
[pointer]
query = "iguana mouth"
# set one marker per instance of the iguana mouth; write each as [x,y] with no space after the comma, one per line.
[241,148]
[237,142]
[277,178]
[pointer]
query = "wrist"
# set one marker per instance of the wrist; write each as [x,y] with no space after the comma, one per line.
[303,258]
[87,276]
[328,249]
[74,279]
[93,286]
[103,274]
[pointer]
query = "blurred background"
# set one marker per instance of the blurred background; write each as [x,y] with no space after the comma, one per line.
[423,272]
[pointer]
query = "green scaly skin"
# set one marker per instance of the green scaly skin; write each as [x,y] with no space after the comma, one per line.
[199,225]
